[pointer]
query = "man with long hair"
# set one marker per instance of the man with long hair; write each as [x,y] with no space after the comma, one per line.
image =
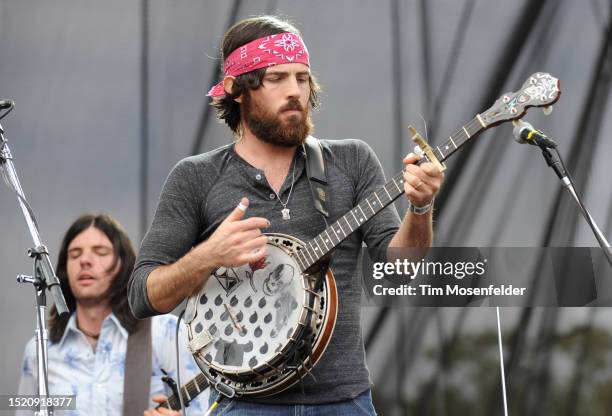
[266,97]
[87,349]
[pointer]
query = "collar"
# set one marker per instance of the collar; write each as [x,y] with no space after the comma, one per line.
[256,177]
[111,319]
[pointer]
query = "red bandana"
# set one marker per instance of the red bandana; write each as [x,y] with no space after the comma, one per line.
[282,48]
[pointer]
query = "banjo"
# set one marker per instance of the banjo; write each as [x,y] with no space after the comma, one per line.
[257,329]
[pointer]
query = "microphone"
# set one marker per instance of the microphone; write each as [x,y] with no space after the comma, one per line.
[6,104]
[525,133]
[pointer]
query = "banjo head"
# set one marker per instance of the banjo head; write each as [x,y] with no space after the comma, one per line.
[245,321]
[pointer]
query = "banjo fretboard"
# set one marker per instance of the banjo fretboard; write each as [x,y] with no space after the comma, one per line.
[189,391]
[318,247]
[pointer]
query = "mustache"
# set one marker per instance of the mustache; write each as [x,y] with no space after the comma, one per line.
[292,105]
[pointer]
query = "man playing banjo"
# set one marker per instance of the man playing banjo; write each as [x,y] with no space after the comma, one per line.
[214,207]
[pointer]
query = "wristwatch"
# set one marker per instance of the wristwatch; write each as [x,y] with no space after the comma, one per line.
[420,210]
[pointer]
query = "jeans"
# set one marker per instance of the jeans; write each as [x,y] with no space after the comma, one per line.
[359,406]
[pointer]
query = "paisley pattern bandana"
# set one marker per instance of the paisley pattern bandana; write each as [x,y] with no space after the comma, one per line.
[282,48]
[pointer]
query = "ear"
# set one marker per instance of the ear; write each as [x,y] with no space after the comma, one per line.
[228,84]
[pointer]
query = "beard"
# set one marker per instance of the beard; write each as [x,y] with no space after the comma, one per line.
[269,127]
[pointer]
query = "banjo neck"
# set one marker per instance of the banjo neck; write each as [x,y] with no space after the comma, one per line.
[320,246]
[539,90]
[189,391]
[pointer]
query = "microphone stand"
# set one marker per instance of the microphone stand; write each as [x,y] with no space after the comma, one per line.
[44,276]
[554,161]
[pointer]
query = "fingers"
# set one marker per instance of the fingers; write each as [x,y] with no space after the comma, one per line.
[247,235]
[427,167]
[255,244]
[245,251]
[253,256]
[161,411]
[236,241]
[410,158]
[247,240]
[414,175]
[238,224]
[431,170]
[238,213]
[422,182]
[426,172]
[419,181]
[414,186]
[251,224]
[159,398]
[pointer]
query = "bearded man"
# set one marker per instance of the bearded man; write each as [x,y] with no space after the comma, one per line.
[265,98]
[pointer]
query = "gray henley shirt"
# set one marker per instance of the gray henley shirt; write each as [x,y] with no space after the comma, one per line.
[202,190]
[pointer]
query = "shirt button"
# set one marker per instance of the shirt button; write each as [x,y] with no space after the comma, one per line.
[258,177]
[272,196]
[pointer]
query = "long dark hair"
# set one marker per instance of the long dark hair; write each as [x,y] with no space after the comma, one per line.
[243,32]
[117,293]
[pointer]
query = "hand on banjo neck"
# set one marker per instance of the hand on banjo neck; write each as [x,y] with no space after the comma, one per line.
[422,181]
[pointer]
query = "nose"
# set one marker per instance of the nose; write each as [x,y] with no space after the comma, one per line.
[293,87]
[85,259]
